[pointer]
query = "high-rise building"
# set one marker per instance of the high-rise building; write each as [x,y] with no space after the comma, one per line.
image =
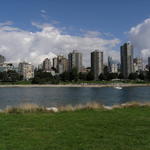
[110,62]
[2,59]
[114,68]
[40,66]
[46,65]
[55,62]
[75,61]
[62,64]
[26,70]
[149,61]
[126,59]
[7,67]
[119,67]
[138,64]
[96,63]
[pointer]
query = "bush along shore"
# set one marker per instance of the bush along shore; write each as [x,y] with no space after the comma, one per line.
[73,77]
[84,127]
[78,85]
[34,108]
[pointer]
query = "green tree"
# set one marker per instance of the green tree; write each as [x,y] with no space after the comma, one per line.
[141,76]
[111,76]
[133,76]
[102,77]
[83,76]
[74,76]
[13,76]
[65,76]
[120,76]
[42,77]
[148,74]
[90,76]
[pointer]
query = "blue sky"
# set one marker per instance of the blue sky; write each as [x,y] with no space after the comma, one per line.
[108,16]
[112,19]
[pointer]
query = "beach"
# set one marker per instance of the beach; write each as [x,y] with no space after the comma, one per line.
[77,85]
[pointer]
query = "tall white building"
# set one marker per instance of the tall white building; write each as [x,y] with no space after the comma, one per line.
[6,67]
[96,63]
[26,70]
[114,68]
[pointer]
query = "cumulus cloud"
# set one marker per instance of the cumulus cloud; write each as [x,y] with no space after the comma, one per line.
[48,41]
[140,37]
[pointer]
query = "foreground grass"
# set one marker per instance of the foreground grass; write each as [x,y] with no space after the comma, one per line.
[117,129]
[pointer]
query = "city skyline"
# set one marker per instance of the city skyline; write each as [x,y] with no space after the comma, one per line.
[67,55]
[74,74]
[128,66]
[52,28]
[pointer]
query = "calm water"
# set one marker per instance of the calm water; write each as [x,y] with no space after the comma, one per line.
[64,96]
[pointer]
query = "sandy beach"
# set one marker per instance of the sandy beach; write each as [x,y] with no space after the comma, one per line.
[76,85]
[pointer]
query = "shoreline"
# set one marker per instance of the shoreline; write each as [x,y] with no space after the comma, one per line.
[76,85]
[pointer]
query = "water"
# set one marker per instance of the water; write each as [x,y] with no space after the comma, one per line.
[63,96]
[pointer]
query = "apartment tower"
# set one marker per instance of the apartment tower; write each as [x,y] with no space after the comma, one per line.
[75,61]
[126,59]
[96,63]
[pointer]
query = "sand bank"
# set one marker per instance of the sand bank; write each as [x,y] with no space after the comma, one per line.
[77,85]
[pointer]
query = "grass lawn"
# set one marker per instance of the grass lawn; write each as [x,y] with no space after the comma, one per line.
[118,129]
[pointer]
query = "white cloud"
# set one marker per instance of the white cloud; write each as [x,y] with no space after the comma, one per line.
[43,14]
[145,53]
[92,34]
[140,37]
[19,45]
[43,11]
[7,23]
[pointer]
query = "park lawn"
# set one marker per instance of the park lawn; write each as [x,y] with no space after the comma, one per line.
[118,129]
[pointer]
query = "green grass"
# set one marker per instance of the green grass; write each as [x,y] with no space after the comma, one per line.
[17,82]
[23,82]
[117,129]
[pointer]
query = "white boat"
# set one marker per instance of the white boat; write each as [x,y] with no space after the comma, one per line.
[118,87]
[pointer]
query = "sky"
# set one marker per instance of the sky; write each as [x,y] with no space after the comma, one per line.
[31,30]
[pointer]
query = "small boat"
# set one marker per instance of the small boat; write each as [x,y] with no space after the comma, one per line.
[118,87]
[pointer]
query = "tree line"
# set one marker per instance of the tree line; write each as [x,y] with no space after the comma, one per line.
[72,76]
[10,76]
